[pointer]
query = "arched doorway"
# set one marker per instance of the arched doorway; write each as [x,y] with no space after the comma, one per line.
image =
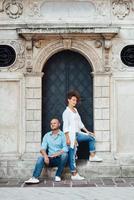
[65,71]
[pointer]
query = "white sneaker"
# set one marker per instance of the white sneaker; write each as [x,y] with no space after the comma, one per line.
[95,159]
[32,180]
[77,177]
[57,178]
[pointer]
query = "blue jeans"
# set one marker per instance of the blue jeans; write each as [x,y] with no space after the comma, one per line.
[80,137]
[59,162]
[71,159]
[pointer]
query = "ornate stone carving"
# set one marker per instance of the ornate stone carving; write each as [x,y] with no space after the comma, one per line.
[37,44]
[1,6]
[29,55]
[121,8]
[20,51]
[102,8]
[20,54]
[13,8]
[57,45]
[98,43]
[34,9]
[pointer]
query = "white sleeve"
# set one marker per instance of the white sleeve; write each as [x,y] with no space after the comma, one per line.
[81,125]
[65,118]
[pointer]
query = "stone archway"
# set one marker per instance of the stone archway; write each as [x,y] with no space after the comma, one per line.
[75,45]
[101,87]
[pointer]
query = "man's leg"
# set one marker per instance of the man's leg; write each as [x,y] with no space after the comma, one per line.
[38,167]
[59,162]
[37,171]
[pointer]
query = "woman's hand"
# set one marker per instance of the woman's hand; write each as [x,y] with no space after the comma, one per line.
[68,141]
[91,133]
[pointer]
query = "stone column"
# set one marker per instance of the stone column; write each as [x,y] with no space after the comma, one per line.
[102,111]
[33,112]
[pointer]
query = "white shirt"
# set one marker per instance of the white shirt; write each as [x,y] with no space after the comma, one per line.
[72,123]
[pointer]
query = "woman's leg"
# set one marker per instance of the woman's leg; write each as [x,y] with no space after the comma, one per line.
[71,159]
[82,137]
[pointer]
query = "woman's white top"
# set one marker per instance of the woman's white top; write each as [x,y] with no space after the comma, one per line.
[72,124]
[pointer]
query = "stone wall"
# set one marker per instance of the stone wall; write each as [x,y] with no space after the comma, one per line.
[37,30]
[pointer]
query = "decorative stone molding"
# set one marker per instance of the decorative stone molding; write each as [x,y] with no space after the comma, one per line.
[107,46]
[20,52]
[29,54]
[13,8]
[57,45]
[2,6]
[121,8]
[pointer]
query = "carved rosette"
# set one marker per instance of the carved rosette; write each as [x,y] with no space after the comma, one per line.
[13,8]
[121,8]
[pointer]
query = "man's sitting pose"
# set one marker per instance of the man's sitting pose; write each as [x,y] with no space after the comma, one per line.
[54,142]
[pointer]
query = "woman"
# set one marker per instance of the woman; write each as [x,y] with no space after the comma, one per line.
[72,126]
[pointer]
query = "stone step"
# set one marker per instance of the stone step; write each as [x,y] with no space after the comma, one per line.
[108,168]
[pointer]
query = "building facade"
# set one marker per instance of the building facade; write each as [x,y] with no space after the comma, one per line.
[44,48]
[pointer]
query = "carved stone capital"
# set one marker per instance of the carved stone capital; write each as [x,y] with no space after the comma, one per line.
[29,45]
[108,44]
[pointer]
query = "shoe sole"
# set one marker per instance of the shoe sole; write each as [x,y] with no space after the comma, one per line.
[31,183]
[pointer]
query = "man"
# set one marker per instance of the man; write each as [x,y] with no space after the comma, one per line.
[54,142]
[72,126]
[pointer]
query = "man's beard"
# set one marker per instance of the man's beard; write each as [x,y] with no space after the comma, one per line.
[55,129]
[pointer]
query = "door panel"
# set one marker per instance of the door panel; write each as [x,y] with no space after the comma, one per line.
[63,72]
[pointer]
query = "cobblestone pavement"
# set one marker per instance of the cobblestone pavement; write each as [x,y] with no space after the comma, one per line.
[98,182]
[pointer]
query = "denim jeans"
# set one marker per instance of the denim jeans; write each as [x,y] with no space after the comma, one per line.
[80,137]
[59,162]
[71,159]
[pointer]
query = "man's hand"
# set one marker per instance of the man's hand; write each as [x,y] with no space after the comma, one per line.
[54,155]
[46,160]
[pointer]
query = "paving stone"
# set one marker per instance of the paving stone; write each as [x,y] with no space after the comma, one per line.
[119,180]
[108,182]
[123,185]
[97,182]
[62,184]
[130,180]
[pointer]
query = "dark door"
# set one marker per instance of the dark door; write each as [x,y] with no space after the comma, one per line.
[63,72]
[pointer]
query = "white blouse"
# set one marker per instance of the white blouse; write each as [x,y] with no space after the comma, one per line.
[72,123]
